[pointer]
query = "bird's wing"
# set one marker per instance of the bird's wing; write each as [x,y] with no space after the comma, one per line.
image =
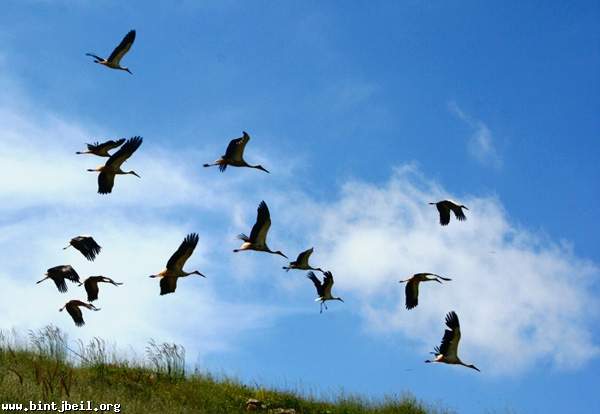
[106,182]
[411,292]
[444,211]
[235,149]
[311,275]
[304,256]
[107,145]
[327,284]
[87,246]
[94,56]
[258,235]
[168,285]
[91,287]
[117,54]
[76,314]
[458,212]
[119,157]
[185,250]
[59,281]
[69,273]
[449,346]
[438,276]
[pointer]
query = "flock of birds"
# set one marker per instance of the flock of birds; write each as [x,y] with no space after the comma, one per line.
[447,352]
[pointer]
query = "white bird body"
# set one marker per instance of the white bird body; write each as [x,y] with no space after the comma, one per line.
[323,288]
[301,263]
[112,167]
[114,60]
[258,236]
[234,155]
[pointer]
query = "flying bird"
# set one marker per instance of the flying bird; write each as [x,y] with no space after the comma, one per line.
[323,289]
[58,274]
[412,286]
[114,60]
[91,286]
[447,352]
[174,270]
[445,206]
[301,263]
[258,236]
[106,178]
[73,309]
[234,155]
[101,149]
[86,245]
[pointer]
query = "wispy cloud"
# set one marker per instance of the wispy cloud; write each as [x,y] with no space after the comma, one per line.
[481,142]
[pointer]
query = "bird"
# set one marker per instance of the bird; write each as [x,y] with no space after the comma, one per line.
[444,208]
[412,286]
[101,149]
[91,286]
[447,352]
[58,274]
[114,60]
[258,236]
[323,289]
[234,155]
[174,269]
[86,245]
[301,262]
[106,178]
[73,309]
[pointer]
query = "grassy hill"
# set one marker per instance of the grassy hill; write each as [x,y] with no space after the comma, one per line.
[44,369]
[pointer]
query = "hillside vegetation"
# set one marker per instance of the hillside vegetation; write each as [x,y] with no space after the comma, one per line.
[44,369]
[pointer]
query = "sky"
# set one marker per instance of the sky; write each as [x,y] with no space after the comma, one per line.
[363,113]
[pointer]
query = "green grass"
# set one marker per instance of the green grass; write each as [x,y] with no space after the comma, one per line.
[43,368]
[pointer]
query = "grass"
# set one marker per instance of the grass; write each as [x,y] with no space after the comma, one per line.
[44,368]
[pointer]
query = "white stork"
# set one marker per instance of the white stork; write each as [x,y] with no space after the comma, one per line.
[86,245]
[73,309]
[58,274]
[323,289]
[114,60]
[174,270]
[258,236]
[412,286]
[106,178]
[447,352]
[445,206]
[234,155]
[301,263]
[101,149]
[91,286]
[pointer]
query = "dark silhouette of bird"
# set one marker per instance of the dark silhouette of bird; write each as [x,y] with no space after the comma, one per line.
[447,352]
[106,178]
[445,206]
[174,270]
[58,274]
[102,149]
[73,310]
[323,289]
[301,263]
[258,236]
[91,286]
[412,286]
[234,155]
[114,60]
[86,245]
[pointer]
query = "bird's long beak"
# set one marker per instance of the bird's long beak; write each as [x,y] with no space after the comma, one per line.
[134,173]
[40,281]
[281,254]
[65,248]
[200,274]
[465,207]
[127,69]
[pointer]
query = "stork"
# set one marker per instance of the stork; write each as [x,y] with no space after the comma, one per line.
[258,236]
[174,270]
[106,178]
[445,206]
[58,274]
[86,245]
[91,286]
[412,286]
[323,289]
[101,149]
[447,352]
[114,60]
[234,155]
[73,310]
[301,262]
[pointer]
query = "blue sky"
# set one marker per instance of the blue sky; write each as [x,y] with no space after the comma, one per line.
[363,113]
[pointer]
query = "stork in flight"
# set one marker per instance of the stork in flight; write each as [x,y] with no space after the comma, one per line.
[58,274]
[323,289]
[301,263]
[234,155]
[73,310]
[447,352]
[114,60]
[106,178]
[412,286]
[86,245]
[91,286]
[258,236]
[101,149]
[174,270]
[445,206]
